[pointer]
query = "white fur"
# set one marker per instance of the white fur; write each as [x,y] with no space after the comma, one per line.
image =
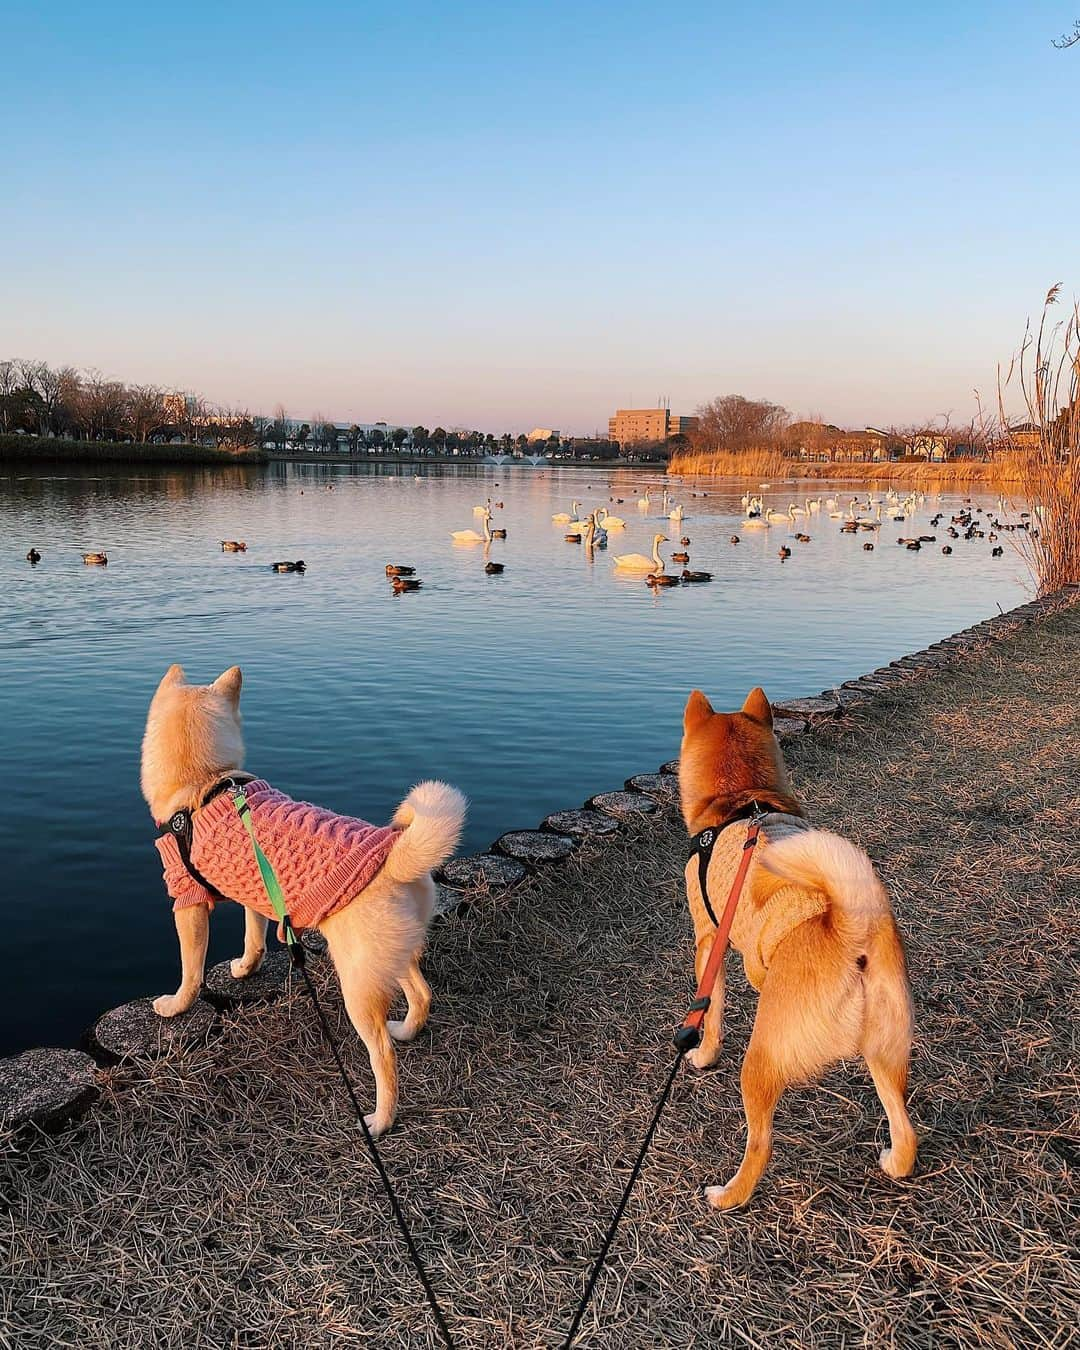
[820,861]
[433,814]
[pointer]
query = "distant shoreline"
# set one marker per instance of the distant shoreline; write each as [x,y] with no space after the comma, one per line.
[16,449]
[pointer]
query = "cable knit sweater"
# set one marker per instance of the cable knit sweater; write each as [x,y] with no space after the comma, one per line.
[322,860]
[762,920]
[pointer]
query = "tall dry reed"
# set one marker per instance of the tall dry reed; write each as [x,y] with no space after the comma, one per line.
[1046,369]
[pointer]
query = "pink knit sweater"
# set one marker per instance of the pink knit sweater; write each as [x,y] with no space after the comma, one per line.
[323,861]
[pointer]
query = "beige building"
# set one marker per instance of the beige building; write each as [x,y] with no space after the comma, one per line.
[630,425]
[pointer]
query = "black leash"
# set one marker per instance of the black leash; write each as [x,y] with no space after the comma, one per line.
[296,952]
[635,1171]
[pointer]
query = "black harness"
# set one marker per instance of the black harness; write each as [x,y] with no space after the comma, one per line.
[181,826]
[703,843]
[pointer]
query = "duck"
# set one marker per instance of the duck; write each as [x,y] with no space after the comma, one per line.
[785,552]
[734,539]
[680,557]
[849,527]
[688,576]
[638,562]
[914,545]
[947,549]
[298,566]
[399,570]
[661,579]
[868,547]
[33,556]
[233,546]
[498,534]
[493,569]
[401,584]
[997,552]
[608,521]
[565,517]
[471,536]
[95,559]
[685,541]
[803,538]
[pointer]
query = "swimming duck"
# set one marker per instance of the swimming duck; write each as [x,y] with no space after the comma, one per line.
[233,546]
[498,534]
[680,557]
[685,541]
[914,545]
[298,566]
[400,584]
[33,556]
[661,579]
[734,539]
[997,552]
[868,547]
[947,549]
[687,575]
[399,570]
[493,568]
[785,552]
[803,538]
[95,559]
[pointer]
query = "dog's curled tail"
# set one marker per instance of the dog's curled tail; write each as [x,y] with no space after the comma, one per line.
[432,816]
[820,861]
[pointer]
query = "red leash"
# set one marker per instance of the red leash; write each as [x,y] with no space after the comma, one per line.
[689,1034]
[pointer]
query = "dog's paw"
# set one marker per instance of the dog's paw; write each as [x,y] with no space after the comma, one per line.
[702,1058]
[892,1166]
[401,1032]
[171,1005]
[241,966]
[725,1197]
[377,1125]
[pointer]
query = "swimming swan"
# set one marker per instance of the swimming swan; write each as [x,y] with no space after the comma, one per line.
[565,518]
[638,562]
[470,536]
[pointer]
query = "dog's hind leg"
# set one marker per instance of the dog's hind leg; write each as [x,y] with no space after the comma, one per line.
[885,1043]
[254,945]
[762,1087]
[367,1005]
[418,996]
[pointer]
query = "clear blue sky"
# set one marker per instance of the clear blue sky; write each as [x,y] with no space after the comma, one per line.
[504,215]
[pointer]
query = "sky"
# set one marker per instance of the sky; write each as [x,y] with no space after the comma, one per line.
[512,215]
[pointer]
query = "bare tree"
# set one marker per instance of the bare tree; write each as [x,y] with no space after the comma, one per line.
[1068,39]
[735,423]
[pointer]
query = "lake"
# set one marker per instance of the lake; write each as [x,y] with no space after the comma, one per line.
[530,691]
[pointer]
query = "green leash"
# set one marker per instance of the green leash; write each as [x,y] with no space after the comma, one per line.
[270,882]
[297,954]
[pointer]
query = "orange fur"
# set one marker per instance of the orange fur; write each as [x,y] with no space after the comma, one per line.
[837,985]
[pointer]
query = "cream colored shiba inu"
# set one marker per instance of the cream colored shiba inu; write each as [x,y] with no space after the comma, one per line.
[813,925]
[368,889]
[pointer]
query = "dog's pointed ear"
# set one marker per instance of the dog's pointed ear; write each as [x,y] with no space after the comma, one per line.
[229,683]
[698,710]
[758,707]
[174,675]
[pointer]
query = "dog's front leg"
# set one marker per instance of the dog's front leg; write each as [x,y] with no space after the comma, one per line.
[193,930]
[254,945]
[712,1029]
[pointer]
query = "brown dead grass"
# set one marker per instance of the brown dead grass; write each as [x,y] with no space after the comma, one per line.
[223,1198]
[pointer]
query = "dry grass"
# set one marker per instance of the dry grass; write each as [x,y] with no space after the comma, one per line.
[223,1199]
[1005,471]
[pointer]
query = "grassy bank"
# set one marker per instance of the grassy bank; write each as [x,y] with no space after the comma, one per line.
[223,1197]
[1002,473]
[30,449]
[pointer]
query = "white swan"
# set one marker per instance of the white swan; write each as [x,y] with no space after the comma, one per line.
[608,521]
[580,526]
[757,522]
[471,536]
[638,562]
[794,511]
[676,514]
[566,518]
[771,515]
[644,502]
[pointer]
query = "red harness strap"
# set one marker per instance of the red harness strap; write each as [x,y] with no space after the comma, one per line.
[688,1035]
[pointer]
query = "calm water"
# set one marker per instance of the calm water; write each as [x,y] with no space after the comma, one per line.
[531,690]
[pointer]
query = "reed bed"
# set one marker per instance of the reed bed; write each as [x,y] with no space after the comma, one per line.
[222,1198]
[1047,372]
[1004,471]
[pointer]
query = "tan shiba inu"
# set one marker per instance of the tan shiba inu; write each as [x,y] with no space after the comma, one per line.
[193,747]
[814,927]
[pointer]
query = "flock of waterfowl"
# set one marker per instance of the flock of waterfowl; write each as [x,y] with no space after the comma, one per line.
[592,530]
